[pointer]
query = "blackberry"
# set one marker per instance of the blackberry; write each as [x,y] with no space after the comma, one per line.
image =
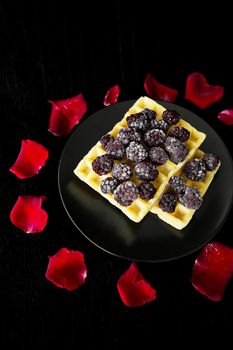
[146,190]
[102,165]
[106,140]
[211,161]
[191,198]
[116,150]
[158,155]
[177,184]
[167,202]
[179,133]
[154,137]
[138,121]
[108,185]
[146,171]
[136,152]
[175,149]
[171,116]
[121,172]
[195,169]
[149,113]
[126,193]
[126,135]
[159,124]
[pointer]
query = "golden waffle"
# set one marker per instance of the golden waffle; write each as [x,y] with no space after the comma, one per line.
[139,208]
[182,216]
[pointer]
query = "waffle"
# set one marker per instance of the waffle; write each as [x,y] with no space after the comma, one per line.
[139,208]
[182,216]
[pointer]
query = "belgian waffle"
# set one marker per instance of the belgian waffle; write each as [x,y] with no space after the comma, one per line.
[182,216]
[140,207]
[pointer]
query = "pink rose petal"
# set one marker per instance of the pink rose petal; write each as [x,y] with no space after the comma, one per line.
[226,116]
[28,215]
[31,159]
[65,114]
[112,95]
[212,270]
[158,91]
[67,269]
[134,289]
[199,92]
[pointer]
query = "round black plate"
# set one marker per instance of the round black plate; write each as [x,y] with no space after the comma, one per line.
[151,239]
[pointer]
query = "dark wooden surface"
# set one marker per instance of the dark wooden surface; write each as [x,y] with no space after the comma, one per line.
[56,51]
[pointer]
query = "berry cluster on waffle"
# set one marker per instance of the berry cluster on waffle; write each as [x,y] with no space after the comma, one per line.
[184,193]
[131,165]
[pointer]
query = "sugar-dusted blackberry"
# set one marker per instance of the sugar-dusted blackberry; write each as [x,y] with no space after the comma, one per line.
[126,193]
[149,113]
[191,198]
[146,190]
[158,155]
[108,185]
[177,184]
[211,161]
[126,135]
[195,169]
[171,116]
[159,124]
[102,165]
[116,150]
[154,137]
[146,171]
[168,202]
[121,172]
[175,149]
[106,140]
[136,152]
[138,121]
[179,133]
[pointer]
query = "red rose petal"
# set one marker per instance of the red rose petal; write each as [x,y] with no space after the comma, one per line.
[67,269]
[31,159]
[158,91]
[199,92]
[226,116]
[134,289]
[65,114]
[28,215]
[212,270]
[112,95]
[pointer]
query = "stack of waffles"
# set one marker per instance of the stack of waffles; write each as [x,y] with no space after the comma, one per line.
[140,207]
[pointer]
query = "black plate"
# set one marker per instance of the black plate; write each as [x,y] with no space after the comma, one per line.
[151,239]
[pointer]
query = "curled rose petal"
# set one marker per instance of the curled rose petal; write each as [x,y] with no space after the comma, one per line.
[212,270]
[226,116]
[65,114]
[28,215]
[134,289]
[158,91]
[31,159]
[112,95]
[67,269]
[199,92]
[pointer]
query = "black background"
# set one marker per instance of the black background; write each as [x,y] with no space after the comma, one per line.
[55,51]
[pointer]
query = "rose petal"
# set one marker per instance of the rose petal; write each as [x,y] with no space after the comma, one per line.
[28,215]
[112,95]
[31,159]
[134,289]
[158,91]
[212,270]
[65,114]
[226,116]
[67,269]
[199,92]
